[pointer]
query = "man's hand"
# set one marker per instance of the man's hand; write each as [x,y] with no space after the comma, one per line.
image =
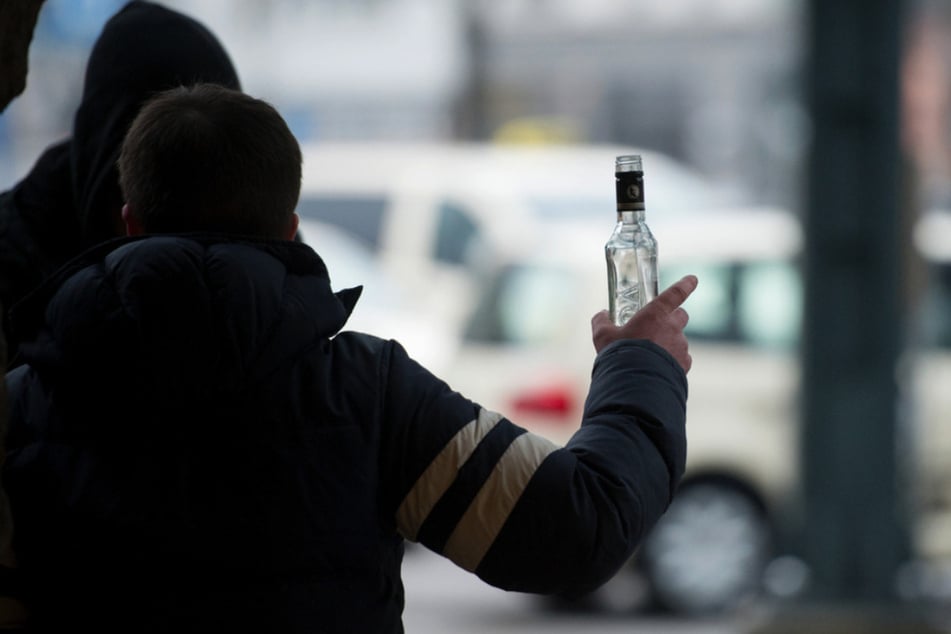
[661,321]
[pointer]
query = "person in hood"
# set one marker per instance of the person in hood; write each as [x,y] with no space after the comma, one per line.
[17,21]
[13,614]
[70,199]
[197,444]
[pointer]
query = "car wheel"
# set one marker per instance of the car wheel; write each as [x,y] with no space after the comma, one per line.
[708,552]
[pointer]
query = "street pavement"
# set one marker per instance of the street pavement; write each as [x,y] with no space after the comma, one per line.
[442,598]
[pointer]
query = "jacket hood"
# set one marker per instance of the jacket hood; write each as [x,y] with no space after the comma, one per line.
[172,314]
[143,49]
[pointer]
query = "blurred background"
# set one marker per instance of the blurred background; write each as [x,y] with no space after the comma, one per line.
[459,164]
[714,84]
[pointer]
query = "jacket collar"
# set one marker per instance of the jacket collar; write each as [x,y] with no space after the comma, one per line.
[27,316]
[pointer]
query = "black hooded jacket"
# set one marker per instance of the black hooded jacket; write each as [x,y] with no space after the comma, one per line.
[196,446]
[71,200]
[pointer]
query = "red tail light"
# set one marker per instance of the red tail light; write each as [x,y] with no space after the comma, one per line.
[552,401]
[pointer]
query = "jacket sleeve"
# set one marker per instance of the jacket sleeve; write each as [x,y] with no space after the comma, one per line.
[519,511]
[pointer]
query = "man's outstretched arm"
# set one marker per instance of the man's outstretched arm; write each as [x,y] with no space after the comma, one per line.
[525,514]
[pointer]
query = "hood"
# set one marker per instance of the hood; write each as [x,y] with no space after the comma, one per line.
[143,49]
[169,315]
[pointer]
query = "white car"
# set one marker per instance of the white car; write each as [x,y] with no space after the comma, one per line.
[527,352]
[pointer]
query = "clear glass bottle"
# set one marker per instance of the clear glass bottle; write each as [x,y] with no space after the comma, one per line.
[631,251]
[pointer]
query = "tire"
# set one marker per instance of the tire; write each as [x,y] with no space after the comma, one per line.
[708,552]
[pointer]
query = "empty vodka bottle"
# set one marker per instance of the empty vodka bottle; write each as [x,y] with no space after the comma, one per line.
[631,251]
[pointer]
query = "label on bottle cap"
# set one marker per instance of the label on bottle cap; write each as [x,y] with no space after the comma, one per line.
[630,191]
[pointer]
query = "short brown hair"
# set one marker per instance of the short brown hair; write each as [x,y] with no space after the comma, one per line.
[209,158]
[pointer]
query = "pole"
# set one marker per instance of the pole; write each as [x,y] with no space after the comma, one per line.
[852,532]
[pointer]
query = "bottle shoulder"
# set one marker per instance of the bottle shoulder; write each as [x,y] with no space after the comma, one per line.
[624,228]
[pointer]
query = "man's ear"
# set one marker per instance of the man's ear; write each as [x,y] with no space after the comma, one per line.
[132,225]
[292,229]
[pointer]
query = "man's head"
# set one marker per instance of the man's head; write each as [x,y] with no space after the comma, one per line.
[208,158]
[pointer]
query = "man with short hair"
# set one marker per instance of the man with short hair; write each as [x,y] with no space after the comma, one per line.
[196,444]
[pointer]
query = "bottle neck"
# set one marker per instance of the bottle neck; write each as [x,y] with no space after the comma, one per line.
[630,217]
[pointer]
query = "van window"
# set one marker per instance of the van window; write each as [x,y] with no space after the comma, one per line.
[456,235]
[769,303]
[751,303]
[360,216]
[710,305]
[525,305]
[756,303]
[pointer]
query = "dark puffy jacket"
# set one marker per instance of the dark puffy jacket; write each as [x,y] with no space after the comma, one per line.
[71,200]
[195,446]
